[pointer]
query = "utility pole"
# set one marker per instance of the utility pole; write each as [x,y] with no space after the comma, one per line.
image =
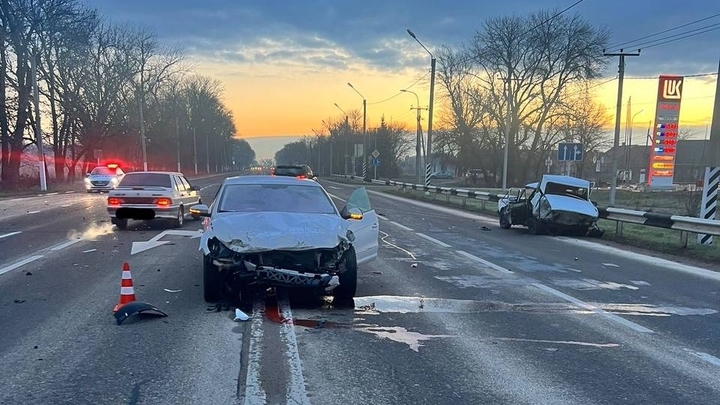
[616,143]
[711,182]
[419,140]
[207,152]
[195,149]
[347,137]
[430,121]
[177,138]
[365,142]
[38,129]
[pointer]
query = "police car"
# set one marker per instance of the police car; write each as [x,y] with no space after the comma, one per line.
[103,178]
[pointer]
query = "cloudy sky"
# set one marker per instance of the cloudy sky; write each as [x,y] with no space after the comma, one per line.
[285,63]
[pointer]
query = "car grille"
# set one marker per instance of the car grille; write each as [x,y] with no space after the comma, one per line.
[100,183]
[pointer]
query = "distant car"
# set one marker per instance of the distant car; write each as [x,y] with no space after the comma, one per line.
[299,171]
[282,231]
[472,176]
[103,178]
[556,204]
[150,196]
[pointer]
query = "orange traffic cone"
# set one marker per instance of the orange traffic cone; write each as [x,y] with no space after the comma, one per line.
[127,293]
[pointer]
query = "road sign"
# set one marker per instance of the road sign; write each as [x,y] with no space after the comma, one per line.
[572,152]
[376,161]
[375,153]
[358,150]
[97,153]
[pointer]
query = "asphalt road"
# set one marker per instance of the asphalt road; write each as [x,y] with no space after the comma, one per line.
[450,313]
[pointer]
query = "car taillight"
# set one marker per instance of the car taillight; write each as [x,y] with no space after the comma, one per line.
[163,202]
[301,177]
[114,201]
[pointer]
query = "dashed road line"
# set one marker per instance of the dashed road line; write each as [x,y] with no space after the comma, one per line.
[33,212]
[7,235]
[705,356]
[19,264]
[485,262]
[433,240]
[401,226]
[585,305]
[65,244]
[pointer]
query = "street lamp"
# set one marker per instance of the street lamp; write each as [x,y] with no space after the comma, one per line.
[418,157]
[428,152]
[347,127]
[629,143]
[364,153]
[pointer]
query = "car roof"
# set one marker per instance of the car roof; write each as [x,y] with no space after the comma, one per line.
[150,172]
[265,179]
[568,180]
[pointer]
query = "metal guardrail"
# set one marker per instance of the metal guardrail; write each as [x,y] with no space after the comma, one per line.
[681,223]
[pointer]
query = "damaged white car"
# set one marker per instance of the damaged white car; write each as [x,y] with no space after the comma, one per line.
[284,231]
[557,205]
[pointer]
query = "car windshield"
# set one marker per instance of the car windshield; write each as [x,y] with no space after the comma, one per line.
[275,198]
[566,190]
[102,171]
[289,171]
[146,179]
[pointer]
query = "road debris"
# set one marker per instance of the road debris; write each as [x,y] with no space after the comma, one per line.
[413,265]
[89,250]
[28,274]
[136,307]
[240,316]
[485,228]
[19,301]
[171,291]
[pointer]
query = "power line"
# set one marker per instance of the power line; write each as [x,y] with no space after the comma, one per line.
[684,76]
[663,31]
[683,37]
[399,93]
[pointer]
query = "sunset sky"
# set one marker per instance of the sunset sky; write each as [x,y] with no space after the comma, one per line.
[284,64]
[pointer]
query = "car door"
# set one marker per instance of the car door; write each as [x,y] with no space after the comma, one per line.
[365,230]
[179,191]
[193,195]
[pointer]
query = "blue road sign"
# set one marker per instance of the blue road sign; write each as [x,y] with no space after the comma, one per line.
[570,152]
[376,161]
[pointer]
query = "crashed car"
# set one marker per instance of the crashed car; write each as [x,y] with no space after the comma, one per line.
[556,205]
[287,232]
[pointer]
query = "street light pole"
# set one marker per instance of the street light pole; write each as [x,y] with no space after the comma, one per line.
[365,142]
[346,137]
[629,144]
[430,109]
[207,151]
[418,157]
[195,149]
[38,129]
[177,138]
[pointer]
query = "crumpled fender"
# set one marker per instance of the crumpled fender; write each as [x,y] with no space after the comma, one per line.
[136,307]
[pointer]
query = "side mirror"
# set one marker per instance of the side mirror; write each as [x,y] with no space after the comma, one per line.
[352,213]
[200,210]
[195,188]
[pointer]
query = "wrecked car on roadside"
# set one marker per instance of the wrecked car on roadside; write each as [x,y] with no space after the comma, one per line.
[555,205]
[286,232]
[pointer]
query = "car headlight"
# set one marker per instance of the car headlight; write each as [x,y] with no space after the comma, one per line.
[87,181]
[114,180]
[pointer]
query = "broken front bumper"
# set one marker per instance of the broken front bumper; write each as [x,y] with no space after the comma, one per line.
[279,277]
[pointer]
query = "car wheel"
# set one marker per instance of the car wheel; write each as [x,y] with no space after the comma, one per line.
[505,221]
[180,220]
[89,191]
[120,223]
[533,226]
[348,278]
[212,281]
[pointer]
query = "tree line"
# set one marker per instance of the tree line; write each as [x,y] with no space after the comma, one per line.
[101,86]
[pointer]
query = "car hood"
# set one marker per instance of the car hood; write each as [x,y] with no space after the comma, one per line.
[265,231]
[570,204]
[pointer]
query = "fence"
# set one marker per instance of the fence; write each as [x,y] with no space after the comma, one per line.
[686,225]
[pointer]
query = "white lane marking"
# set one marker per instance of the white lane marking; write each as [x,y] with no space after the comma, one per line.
[383,218]
[610,265]
[206,187]
[19,264]
[254,392]
[55,193]
[396,246]
[436,207]
[705,356]
[65,205]
[401,226]
[69,192]
[485,262]
[334,196]
[66,244]
[33,212]
[296,393]
[7,235]
[335,188]
[89,250]
[433,240]
[654,261]
[585,305]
